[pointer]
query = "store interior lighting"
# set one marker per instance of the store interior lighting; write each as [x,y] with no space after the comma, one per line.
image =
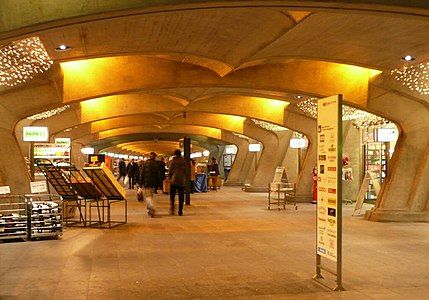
[87,150]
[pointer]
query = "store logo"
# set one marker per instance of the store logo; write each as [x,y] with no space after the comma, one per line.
[322,157]
[322,189]
[332,191]
[332,222]
[321,250]
[332,148]
[322,138]
[332,169]
[332,201]
[332,212]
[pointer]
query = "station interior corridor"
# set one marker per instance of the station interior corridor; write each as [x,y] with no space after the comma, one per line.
[227,243]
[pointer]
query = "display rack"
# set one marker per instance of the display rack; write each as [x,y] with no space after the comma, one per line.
[112,192]
[13,217]
[61,180]
[46,215]
[284,193]
[375,160]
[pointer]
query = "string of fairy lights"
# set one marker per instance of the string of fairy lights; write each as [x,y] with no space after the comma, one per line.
[414,77]
[49,113]
[269,126]
[21,60]
[361,119]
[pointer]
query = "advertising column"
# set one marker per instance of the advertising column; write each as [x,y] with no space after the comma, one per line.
[329,196]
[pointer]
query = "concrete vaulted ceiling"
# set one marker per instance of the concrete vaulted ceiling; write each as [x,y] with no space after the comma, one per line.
[135,66]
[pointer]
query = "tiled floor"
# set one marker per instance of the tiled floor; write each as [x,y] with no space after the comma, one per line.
[227,245]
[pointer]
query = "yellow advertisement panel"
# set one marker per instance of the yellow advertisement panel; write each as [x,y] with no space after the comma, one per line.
[329,176]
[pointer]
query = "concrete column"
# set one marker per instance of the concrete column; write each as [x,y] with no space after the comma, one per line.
[352,146]
[284,138]
[236,176]
[307,126]
[404,195]
[268,159]
[13,169]
[78,159]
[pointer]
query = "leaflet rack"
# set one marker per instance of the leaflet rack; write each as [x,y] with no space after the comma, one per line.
[59,179]
[113,193]
[13,217]
[91,195]
[285,193]
[45,216]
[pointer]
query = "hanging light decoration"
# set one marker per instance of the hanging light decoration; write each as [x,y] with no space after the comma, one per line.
[21,60]
[240,135]
[49,113]
[269,126]
[309,107]
[360,118]
[415,77]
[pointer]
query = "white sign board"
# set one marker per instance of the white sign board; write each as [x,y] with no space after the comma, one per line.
[329,176]
[298,143]
[278,175]
[254,147]
[35,134]
[38,187]
[63,141]
[387,135]
[4,190]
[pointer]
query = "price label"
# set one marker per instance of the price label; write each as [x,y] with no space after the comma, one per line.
[4,190]
[38,187]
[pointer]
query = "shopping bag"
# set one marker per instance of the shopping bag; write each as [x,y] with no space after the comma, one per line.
[126,179]
[140,194]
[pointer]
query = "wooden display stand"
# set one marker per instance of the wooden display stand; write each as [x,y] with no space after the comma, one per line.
[285,192]
[112,192]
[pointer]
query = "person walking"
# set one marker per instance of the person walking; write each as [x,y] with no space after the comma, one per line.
[122,169]
[193,175]
[132,172]
[213,174]
[148,180]
[177,174]
[161,178]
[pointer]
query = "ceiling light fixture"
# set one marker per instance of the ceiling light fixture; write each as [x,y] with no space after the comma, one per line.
[408,58]
[62,47]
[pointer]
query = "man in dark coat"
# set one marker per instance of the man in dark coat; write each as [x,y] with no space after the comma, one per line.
[162,169]
[122,169]
[177,174]
[148,180]
[132,172]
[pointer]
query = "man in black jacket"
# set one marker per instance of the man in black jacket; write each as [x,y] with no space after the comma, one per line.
[122,169]
[148,180]
[132,172]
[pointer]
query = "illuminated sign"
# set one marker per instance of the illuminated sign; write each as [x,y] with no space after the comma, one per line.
[254,147]
[298,143]
[35,134]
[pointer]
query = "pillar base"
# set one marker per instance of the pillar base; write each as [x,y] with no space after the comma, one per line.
[379,215]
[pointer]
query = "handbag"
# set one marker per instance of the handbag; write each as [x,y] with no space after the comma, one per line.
[140,194]
[126,180]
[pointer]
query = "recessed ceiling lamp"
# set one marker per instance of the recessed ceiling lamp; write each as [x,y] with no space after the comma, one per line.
[62,47]
[298,97]
[408,58]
